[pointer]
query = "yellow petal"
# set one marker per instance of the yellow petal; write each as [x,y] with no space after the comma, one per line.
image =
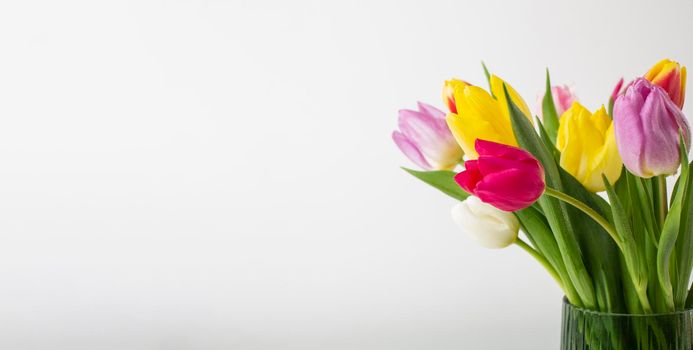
[449,91]
[662,70]
[497,90]
[655,70]
[588,147]
[569,142]
[479,116]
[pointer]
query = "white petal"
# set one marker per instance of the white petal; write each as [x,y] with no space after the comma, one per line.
[485,224]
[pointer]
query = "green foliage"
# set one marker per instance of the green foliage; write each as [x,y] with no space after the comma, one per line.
[443,180]
[556,212]
[549,111]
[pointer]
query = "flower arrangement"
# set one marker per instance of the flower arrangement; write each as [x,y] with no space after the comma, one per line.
[588,188]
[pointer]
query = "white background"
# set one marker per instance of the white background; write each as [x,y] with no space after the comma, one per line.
[220,174]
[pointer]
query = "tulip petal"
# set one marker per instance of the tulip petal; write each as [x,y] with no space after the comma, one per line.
[587,146]
[468,178]
[486,225]
[617,90]
[494,149]
[431,110]
[563,98]
[662,132]
[478,116]
[670,76]
[497,90]
[510,190]
[410,150]
[431,135]
[647,124]
[467,127]
[629,129]
[683,86]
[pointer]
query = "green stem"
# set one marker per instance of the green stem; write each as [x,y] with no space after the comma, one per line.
[662,191]
[641,292]
[540,258]
[587,210]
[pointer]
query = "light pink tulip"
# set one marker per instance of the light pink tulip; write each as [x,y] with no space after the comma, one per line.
[647,124]
[425,139]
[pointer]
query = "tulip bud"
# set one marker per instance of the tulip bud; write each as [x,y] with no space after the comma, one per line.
[647,125]
[671,77]
[509,178]
[425,139]
[563,98]
[588,147]
[486,225]
[617,91]
[449,92]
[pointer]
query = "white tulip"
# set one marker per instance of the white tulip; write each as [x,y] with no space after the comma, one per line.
[488,226]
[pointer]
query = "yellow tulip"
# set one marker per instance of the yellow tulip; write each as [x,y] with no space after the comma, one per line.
[449,92]
[588,146]
[482,116]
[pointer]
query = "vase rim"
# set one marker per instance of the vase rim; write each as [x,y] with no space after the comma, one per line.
[679,312]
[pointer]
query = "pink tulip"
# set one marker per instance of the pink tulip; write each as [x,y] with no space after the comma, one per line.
[563,98]
[647,124]
[509,178]
[425,139]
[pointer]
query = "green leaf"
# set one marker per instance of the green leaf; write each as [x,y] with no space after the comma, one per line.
[537,230]
[556,211]
[488,77]
[646,207]
[443,180]
[634,261]
[602,257]
[549,111]
[667,241]
[621,188]
[675,226]
[528,139]
[684,244]
[547,140]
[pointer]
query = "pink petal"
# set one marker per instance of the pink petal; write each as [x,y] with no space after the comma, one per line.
[410,150]
[432,136]
[617,90]
[563,98]
[493,149]
[490,165]
[468,178]
[511,189]
[661,122]
[431,111]
[629,129]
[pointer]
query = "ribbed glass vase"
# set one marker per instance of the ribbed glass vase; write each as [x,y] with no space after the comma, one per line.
[585,329]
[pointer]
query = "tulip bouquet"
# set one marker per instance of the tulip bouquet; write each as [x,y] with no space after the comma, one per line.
[588,189]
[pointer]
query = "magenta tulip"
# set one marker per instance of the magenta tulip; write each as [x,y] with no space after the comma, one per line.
[647,125]
[509,178]
[425,139]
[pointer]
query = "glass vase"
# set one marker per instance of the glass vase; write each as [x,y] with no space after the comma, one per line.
[585,329]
